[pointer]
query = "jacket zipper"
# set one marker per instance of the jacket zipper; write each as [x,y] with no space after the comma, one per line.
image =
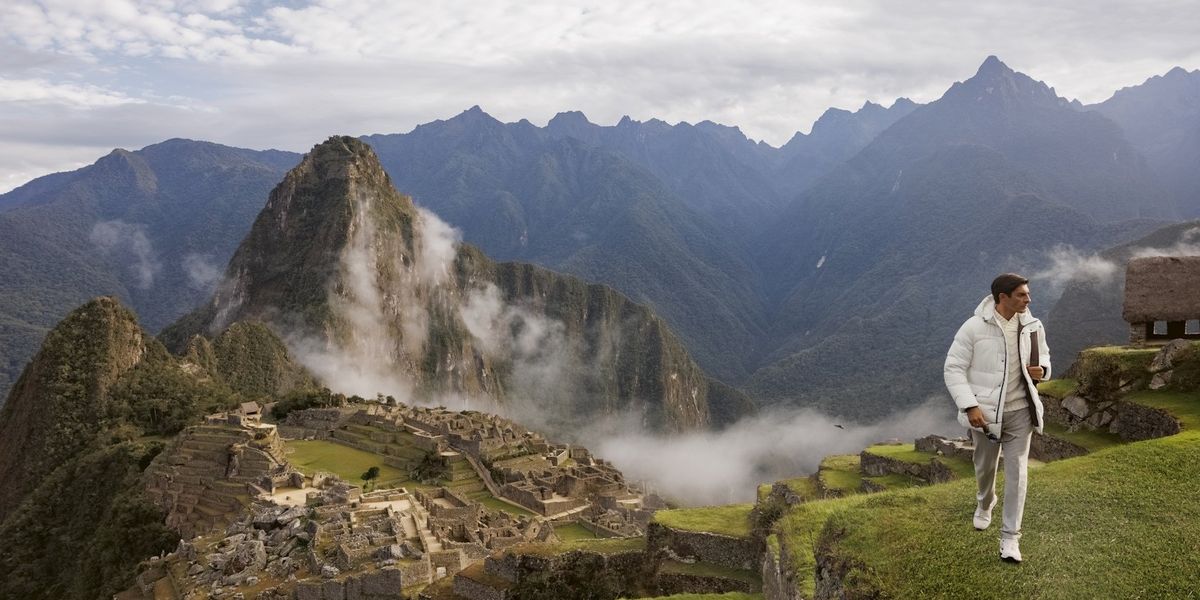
[1004,381]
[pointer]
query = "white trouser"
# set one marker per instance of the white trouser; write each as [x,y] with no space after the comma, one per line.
[1016,431]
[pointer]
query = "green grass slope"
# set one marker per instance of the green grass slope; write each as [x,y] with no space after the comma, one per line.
[1121,522]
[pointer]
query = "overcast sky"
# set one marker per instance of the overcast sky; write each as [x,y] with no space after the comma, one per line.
[80,77]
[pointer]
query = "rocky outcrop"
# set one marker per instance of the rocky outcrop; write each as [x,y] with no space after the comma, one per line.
[1048,448]
[1134,422]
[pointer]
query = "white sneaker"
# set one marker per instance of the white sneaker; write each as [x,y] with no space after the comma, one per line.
[1010,551]
[983,518]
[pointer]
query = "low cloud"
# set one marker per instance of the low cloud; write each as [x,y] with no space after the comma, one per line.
[439,246]
[1188,244]
[128,242]
[1065,264]
[202,271]
[704,468]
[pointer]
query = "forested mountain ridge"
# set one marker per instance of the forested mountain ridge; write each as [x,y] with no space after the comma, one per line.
[151,227]
[371,290]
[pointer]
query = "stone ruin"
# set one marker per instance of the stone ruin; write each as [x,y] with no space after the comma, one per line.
[254,526]
[211,472]
[514,464]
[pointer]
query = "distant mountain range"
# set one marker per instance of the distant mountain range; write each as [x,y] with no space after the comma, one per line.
[828,272]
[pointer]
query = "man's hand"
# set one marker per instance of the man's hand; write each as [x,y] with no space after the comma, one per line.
[1036,372]
[975,416]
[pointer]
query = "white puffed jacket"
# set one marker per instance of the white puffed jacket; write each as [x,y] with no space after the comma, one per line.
[976,363]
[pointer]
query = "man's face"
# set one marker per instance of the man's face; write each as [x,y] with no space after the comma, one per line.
[1018,301]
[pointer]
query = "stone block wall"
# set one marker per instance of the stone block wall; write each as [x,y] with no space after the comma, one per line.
[712,548]
[1134,422]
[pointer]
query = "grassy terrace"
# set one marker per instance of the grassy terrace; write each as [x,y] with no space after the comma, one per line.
[895,481]
[1058,388]
[709,570]
[1092,441]
[732,520]
[486,498]
[310,456]
[805,487]
[573,532]
[841,474]
[906,453]
[1089,526]
[1184,406]
[600,546]
[726,596]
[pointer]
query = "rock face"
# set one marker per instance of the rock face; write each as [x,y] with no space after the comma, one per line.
[365,284]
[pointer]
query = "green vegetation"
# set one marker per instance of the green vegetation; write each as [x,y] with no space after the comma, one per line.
[840,474]
[253,361]
[1089,440]
[1121,519]
[162,399]
[914,543]
[1104,373]
[1058,388]
[701,569]
[304,399]
[573,532]
[725,596]
[1184,406]
[894,481]
[732,520]
[188,198]
[82,531]
[486,498]
[906,453]
[310,456]
[596,545]
[369,476]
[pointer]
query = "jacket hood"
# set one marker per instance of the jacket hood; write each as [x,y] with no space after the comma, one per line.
[987,311]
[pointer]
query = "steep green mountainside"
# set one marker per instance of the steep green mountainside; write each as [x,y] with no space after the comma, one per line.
[521,193]
[350,271]
[150,227]
[87,415]
[1089,311]
[1161,118]
[880,261]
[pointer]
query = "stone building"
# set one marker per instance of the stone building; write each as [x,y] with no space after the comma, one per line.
[1162,298]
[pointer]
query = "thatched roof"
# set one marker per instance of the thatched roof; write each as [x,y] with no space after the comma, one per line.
[250,408]
[1162,288]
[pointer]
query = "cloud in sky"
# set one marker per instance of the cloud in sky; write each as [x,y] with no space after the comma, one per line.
[77,79]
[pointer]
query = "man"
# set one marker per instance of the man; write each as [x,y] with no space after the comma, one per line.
[992,379]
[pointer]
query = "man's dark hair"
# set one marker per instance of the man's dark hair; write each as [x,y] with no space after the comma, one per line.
[1005,284]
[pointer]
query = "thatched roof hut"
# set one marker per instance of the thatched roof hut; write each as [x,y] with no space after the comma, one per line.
[1162,288]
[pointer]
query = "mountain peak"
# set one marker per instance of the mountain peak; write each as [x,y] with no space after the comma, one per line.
[569,117]
[998,85]
[993,65]
[1178,72]
[473,116]
[340,156]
